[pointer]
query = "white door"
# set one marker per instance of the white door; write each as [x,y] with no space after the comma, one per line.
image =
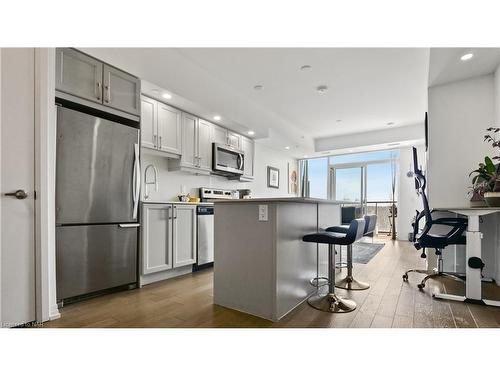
[204,145]
[17,243]
[148,122]
[169,129]
[156,238]
[184,232]
[188,140]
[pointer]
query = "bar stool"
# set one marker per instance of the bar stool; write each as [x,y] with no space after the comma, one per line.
[349,282]
[330,302]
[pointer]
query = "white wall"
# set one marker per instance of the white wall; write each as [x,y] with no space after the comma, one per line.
[459,114]
[170,182]
[408,201]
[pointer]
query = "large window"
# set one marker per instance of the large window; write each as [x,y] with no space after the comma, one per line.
[318,177]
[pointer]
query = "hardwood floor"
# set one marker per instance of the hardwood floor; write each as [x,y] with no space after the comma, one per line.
[187,302]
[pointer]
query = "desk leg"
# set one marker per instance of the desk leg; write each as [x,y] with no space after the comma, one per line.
[472,275]
[473,249]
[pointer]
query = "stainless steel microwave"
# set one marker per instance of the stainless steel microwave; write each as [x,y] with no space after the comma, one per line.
[227,160]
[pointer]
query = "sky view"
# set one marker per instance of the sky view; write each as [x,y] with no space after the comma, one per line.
[349,180]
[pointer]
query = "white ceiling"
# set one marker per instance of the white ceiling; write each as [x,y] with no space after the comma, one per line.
[445,65]
[368,87]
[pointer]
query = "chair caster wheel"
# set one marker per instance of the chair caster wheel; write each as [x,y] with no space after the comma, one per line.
[421,286]
[405,277]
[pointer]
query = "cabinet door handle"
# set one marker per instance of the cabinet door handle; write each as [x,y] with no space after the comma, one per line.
[154,140]
[108,93]
[99,90]
[160,143]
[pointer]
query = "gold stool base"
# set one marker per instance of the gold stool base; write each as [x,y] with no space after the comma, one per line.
[350,283]
[331,303]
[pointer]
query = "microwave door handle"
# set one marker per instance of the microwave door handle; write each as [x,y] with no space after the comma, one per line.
[240,162]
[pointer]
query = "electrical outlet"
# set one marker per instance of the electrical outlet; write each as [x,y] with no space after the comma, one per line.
[263,216]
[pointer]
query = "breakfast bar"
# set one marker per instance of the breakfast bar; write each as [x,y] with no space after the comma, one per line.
[262,267]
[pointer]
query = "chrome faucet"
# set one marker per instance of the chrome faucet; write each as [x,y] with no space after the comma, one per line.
[151,182]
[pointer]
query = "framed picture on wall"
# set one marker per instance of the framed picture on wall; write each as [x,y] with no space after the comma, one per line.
[273,177]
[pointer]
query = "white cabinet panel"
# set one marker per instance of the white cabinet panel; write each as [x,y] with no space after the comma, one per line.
[189,124]
[157,237]
[184,235]
[121,90]
[169,129]
[78,74]
[219,134]
[234,140]
[148,122]
[204,145]
[248,147]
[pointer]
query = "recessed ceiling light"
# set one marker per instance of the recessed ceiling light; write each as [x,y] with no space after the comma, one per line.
[258,87]
[338,120]
[287,147]
[250,132]
[305,67]
[306,156]
[217,118]
[322,89]
[390,123]
[167,96]
[467,56]
[351,150]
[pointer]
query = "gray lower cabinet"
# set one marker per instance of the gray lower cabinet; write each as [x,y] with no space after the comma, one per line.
[184,234]
[168,237]
[156,238]
[83,76]
[78,74]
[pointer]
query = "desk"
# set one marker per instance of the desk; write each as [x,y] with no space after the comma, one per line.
[472,249]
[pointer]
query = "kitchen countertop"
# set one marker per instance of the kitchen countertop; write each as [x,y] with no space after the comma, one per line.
[280,200]
[176,202]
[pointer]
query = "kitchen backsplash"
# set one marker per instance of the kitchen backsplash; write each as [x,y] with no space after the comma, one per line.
[173,183]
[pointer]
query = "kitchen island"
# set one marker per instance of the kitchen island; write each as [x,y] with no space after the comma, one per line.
[261,265]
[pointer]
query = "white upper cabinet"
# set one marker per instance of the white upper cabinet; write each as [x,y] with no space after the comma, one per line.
[189,148]
[169,129]
[219,134]
[184,235]
[234,140]
[78,74]
[121,90]
[148,122]
[248,147]
[204,145]
[161,127]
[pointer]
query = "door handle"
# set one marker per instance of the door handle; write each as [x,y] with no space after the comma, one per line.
[19,194]
[99,91]
[108,93]
[132,225]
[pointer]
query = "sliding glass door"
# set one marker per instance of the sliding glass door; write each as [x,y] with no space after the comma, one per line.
[348,184]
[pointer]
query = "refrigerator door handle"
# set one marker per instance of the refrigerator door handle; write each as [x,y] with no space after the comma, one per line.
[132,225]
[136,183]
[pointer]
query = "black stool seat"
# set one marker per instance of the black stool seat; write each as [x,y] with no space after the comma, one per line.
[326,237]
[338,228]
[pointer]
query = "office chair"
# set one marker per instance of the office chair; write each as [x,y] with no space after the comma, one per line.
[424,239]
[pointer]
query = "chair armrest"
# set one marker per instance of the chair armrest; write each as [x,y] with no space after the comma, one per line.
[450,221]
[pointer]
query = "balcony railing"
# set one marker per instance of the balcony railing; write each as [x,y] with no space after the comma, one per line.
[383,211]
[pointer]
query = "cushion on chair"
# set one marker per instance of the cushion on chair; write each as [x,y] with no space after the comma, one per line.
[338,228]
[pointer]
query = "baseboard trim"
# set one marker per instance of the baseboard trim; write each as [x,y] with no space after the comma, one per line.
[54,312]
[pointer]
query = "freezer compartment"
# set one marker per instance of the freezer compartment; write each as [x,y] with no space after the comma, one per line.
[91,258]
[96,171]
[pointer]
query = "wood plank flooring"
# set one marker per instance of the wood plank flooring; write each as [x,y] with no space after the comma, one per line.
[186,302]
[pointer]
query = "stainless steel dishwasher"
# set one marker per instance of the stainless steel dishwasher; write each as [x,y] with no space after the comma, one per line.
[205,217]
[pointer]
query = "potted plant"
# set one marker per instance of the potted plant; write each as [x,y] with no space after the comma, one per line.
[486,179]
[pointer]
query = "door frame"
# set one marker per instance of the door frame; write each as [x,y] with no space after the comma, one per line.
[45,163]
[44,170]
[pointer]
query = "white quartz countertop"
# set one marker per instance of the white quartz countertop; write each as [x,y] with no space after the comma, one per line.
[278,200]
[177,202]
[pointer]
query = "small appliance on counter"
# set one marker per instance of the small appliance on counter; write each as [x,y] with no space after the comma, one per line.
[208,194]
[245,194]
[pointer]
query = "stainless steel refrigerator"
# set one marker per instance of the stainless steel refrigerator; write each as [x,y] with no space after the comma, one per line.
[97,197]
